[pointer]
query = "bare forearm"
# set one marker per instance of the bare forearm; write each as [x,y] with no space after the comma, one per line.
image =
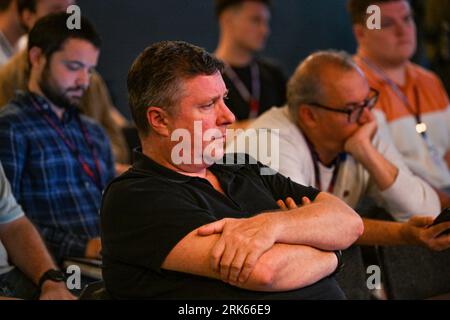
[382,233]
[381,170]
[290,267]
[327,223]
[26,249]
[283,267]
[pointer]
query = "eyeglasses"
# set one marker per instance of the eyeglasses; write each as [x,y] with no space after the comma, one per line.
[354,111]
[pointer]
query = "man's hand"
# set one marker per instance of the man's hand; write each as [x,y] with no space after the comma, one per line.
[241,244]
[418,231]
[361,138]
[52,290]
[93,248]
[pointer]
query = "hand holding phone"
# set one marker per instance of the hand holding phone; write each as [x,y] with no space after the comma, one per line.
[444,216]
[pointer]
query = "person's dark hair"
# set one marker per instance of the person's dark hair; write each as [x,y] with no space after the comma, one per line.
[29,5]
[358,9]
[51,32]
[221,5]
[4,5]
[156,77]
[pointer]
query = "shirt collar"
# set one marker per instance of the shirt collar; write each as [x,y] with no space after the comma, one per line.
[146,165]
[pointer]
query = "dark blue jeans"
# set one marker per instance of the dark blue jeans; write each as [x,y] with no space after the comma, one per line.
[17,285]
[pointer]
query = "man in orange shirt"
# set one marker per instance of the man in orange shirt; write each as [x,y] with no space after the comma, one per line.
[413,99]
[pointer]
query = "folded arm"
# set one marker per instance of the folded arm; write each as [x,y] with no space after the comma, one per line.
[281,268]
[327,223]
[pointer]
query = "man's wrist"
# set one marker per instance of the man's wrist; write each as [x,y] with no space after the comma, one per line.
[361,150]
[274,222]
[49,285]
[340,262]
[49,276]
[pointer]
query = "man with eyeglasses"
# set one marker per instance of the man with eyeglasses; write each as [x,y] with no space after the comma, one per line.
[329,139]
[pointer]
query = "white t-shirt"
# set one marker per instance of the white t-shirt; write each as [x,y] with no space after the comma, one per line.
[9,211]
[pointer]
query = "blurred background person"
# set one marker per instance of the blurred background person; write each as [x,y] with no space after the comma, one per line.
[255,84]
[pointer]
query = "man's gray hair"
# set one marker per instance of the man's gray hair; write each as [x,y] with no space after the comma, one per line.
[307,84]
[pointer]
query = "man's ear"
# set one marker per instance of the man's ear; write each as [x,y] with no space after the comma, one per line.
[307,116]
[359,32]
[158,121]
[36,57]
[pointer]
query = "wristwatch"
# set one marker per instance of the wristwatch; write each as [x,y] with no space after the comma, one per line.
[340,264]
[52,275]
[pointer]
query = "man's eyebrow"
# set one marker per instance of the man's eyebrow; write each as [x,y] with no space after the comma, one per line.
[212,99]
[79,64]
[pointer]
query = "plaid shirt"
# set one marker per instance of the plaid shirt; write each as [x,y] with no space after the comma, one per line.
[47,179]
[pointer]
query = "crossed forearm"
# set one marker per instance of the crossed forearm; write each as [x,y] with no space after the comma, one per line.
[281,268]
[290,267]
[327,224]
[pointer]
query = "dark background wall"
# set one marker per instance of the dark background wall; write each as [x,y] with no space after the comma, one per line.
[299,27]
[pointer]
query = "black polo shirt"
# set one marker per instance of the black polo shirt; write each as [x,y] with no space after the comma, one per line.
[149,209]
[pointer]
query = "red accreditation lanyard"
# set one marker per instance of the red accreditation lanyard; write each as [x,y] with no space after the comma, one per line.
[421,127]
[253,99]
[337,163]
[95,176]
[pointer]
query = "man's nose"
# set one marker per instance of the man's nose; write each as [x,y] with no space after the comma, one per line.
[401,29]
[225,116]
[83,78]
[366,116]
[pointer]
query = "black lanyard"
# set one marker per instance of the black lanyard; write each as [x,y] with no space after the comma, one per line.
[95,176]
[337,164]
[253,99]
[421,127]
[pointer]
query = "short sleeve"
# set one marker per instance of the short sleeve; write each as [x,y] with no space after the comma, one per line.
[9,209]
[161,218]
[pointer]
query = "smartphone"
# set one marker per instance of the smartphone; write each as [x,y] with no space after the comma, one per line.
[444,216]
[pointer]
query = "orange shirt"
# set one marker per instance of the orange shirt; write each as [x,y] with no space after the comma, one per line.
[431,93]
[425,93]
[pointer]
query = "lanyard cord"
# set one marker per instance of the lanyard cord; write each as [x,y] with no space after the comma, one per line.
[253,99]
[316,160]
[95,176]
[420,126]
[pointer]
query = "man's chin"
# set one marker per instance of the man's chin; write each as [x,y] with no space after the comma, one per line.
[74,102]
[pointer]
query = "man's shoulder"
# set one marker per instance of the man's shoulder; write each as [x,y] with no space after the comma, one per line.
[271,66]
[93,124]
[274,118]
[138,180]
[426,76]
[280,124]
[13,113]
